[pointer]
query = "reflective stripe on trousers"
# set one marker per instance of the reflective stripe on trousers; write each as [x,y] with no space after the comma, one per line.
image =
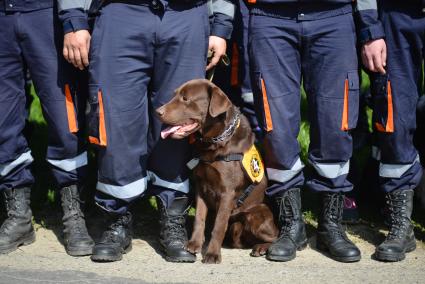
[24,158]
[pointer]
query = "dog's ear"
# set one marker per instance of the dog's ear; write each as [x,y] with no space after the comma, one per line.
[219,102]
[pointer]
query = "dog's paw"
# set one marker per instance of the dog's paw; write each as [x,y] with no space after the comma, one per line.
[212,258]
[194,247]
[260,249]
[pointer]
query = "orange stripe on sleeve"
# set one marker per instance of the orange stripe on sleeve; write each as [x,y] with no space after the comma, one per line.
[70,111]
[344,124]
[252,1]
[268,116]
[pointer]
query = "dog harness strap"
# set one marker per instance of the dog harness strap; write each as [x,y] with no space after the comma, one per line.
[230,158]
[245,194]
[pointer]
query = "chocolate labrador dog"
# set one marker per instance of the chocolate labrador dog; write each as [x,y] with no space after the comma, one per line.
[228,172]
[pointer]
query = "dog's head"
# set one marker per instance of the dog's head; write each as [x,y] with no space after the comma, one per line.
[193,103]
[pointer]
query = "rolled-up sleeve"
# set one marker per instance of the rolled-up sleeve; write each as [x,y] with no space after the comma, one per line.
[370,28]
[73,14]
[224,12]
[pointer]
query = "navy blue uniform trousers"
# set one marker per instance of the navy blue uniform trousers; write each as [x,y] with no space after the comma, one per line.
[396,94]
[33,39]
[288,47]
[138,57]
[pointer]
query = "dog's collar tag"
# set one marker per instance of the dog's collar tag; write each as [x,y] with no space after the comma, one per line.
[253,164]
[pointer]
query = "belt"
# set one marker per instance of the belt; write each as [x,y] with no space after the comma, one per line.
[156,4]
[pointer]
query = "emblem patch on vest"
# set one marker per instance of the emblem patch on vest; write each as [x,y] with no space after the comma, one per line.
[253,164]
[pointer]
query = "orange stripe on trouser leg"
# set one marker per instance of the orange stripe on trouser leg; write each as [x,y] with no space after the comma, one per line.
[102,126]
[267,114]
[344,124]
[390,119]
[234,74]
[70,111]
[252,1]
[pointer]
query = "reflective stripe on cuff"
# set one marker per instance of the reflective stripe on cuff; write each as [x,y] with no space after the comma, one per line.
[285,175]
[332,170]
[395,170]
[23,159]
[124,192]
[182,186]
[70,164]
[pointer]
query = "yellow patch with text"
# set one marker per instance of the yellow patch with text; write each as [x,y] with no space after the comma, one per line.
[253,165]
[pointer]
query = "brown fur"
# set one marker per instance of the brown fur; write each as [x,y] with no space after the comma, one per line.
[219,184]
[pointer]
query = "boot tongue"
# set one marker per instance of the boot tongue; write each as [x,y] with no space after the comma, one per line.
[177,207]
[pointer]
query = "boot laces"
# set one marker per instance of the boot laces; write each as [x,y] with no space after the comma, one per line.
[76,215]
[112,233]
[287,214]
[397,208]
[175,229]
[334,210]
[11,213]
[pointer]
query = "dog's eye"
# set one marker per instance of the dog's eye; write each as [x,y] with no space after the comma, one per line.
[184,98]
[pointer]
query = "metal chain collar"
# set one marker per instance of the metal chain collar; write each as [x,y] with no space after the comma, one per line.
[226,133]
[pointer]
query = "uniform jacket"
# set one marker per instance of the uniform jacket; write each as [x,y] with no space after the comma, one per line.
[73,14]
[25,5]
[366,13]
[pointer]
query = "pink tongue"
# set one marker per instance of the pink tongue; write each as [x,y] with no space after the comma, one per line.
[169,130]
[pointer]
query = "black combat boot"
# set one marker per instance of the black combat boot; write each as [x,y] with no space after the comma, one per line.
[173,235]
[331,235]
[292,236]
[17,229]
[400,238]
[116,240]
[76,238]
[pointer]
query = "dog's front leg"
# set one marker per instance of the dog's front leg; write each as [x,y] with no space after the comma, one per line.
[198,234]
[213,254]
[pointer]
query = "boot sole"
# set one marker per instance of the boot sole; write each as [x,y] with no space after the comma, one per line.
[281,258]
[182,259]
[27,240]
[391,257]
[79,251]
[110,258]
[323,248]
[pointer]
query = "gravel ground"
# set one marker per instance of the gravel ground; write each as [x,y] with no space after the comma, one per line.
[45,261]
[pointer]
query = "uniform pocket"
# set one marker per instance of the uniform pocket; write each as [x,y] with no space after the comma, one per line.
[383,120]
[70,110]
[96,117]
[350,106]
[262,102]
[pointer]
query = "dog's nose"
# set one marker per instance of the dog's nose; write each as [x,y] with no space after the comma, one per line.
[160,111]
